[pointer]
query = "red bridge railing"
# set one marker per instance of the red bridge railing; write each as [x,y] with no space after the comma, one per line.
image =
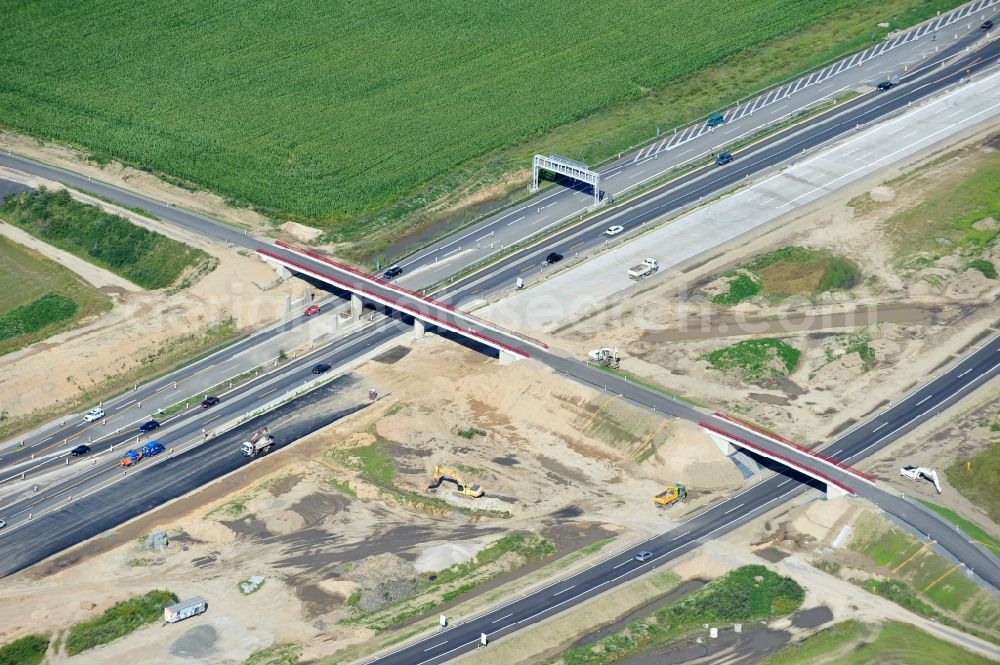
[778,456]
[398,305]
[802,449]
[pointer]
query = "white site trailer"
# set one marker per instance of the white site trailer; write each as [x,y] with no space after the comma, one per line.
[184,609]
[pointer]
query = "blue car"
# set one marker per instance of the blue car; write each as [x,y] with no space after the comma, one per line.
[723,159]
[149,426]
[152,448]
[715,120]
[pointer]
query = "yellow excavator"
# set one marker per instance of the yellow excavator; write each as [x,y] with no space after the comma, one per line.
[442,473]
[668,497]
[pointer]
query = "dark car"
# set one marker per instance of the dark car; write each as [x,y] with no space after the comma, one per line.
[80,450]
[724,158]
[553,257]
[885,85]
[394,271]
[987,25]
[320,368]
[715,120]
[209,402]
[150,426]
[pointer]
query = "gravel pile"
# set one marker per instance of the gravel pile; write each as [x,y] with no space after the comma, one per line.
[384,579]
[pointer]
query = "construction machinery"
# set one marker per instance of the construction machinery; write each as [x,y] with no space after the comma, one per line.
[259,443]
[442,473]
[918,472]
[606,357]
[668,497]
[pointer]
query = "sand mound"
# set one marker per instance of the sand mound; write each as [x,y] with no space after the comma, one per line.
[210,531]
[440,557]
[284,523]
[821,516]
[986,224]
[335,587]
[882,194]
[301,231]
[689,457]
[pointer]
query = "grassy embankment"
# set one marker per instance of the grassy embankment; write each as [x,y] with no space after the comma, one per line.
[305,144]
[893,643]
[118,621]
[978,477]
[145,258]
[786,272]
[913,576]
[741,595]
[762,359]
[952,218]
[40,298]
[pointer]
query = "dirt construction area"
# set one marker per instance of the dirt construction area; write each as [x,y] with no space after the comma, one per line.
[350,540]
[826,316]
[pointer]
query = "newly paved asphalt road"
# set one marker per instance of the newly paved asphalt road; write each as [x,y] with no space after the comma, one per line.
[164,478]
[964,377]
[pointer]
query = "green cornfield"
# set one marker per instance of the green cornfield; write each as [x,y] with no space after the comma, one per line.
[324,112]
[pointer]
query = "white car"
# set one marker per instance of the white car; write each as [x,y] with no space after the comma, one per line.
[94,414]
[2,524]
[614,230]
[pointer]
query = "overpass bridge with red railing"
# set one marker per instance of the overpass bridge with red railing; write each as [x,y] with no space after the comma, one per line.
[424,310]
[731,433]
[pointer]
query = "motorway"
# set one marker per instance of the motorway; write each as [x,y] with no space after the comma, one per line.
[764,155]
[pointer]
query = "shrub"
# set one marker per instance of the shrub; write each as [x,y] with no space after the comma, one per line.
[146,258]
[982,265]
[118,620]
[28,650]
[35,315]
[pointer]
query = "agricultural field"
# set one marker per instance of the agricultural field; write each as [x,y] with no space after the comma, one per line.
[333,116]
[145,258]
[39,298]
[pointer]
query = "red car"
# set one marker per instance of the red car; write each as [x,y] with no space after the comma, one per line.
[312,309]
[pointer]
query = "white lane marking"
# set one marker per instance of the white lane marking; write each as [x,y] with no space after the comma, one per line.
[880,427]
[125,404]
[609,177]
[516,220]
[682,535]
[564,590]
[964,373]
[622,564]
[440,644]
[505,616]
[732,509]
[924,399]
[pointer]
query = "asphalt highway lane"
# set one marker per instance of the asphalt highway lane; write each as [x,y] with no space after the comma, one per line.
[957,381]
[163,478]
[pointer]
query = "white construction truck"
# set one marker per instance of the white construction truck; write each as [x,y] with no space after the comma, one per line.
[644,269]
[918,472]
[606,357]
[259,443]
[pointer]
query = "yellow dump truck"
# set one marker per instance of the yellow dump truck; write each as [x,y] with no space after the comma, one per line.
[670,496]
